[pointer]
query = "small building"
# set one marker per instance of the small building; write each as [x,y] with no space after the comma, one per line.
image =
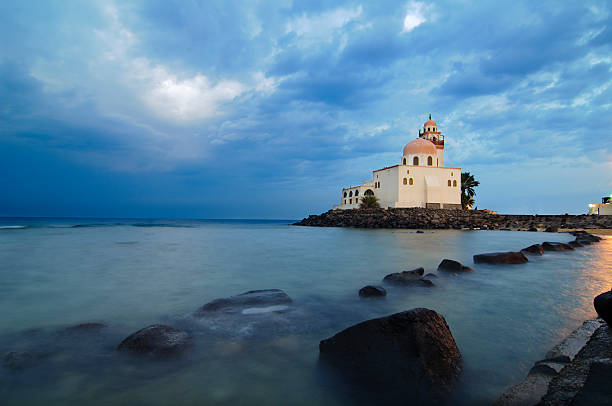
[419,180]
[603,208]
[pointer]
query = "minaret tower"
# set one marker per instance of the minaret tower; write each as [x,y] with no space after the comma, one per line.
[430,132]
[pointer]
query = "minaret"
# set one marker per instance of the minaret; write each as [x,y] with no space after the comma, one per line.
[431,133]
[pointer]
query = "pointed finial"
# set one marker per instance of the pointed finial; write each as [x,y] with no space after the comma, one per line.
[430,116]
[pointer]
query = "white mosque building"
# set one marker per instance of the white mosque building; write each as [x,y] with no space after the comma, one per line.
[419,180]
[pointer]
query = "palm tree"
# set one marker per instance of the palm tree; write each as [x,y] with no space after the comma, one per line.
[468,183]
[369,202]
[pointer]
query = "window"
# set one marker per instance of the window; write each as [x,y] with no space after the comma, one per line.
[434,139]
[404,161]
[455,183]
[344,201]
[350,201]
[405,181]
[429,161]
[437,164]
[415,160]
[351,193]
[344,194]
[449,182]
[408,171]
[356,193]
[410,181]
[451,174]
[356,200]
[369,192]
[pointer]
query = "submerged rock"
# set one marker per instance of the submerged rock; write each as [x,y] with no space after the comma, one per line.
[430,275]
[556,246]
[371,290]
[411,354]
[156,339]
[535,249]
[576,244]
[240,303]
[603,306]
[408,278]
[500,258]
[449,265]
[17,360]
[86,327]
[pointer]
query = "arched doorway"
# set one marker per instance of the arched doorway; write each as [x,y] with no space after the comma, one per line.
[368,192]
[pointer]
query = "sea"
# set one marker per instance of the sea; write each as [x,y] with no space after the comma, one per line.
[132,273]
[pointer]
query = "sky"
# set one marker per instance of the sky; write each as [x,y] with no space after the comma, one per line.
[252,109]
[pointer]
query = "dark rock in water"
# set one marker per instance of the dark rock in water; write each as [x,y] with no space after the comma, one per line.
[156,339]
[370,290]
[556,246]
[449,265]
[232,304]
[535,249]
[603,306]
[420,232]
[86,327]
[17,360]
[408,278]
[552,229]
[430,275]
[576,244]
[411,353]
[498,258]
[586,237]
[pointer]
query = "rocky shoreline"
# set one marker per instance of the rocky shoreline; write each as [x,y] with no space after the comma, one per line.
[419,218]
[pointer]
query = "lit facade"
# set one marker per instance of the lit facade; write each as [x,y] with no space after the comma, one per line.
[603,208]
[419,180]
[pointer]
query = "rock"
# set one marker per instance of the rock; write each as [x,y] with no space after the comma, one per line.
[370,291]
[586,237]
[596,389]
[238,303]
[552,229]
[556,246]
[156,339]
[86,327]
[412,278]
[411,353]
[535,249]
[603,306]
[420,232]
[576,244]
[17,360]
[497,258]
[532,229]
[430,275]
[449,265]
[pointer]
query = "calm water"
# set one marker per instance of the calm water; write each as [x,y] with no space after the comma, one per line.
[133,273]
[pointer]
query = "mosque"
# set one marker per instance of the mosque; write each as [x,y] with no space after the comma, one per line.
[419,180]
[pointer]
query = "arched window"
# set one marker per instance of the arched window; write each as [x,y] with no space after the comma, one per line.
[405,181]
[455,183]
[429,161]
[408,171]
[350,201]
[344,194]
[437,162]
[368,192]
[356,193]
[351,193]
[434,139]
[449,182]
[404,161]
[344,201]
[410,181]
[415,160]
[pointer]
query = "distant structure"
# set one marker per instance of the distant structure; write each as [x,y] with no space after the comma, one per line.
[420,180]
[605,208]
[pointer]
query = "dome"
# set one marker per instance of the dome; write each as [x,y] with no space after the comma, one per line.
[430,123]
[420,146]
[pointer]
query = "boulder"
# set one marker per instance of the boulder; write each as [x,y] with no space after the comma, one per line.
[586,237]
[156,339]
[408,278]
[576,244]
[603,306]
[17,360]
[497,258]
[535,249]
[372,291]
[556,246]
[238,303]
[449,265]
[409,354]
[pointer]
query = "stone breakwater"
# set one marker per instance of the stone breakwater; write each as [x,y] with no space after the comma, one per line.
[452,219]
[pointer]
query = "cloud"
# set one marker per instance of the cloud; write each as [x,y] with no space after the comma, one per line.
[322,25]
[414,16]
